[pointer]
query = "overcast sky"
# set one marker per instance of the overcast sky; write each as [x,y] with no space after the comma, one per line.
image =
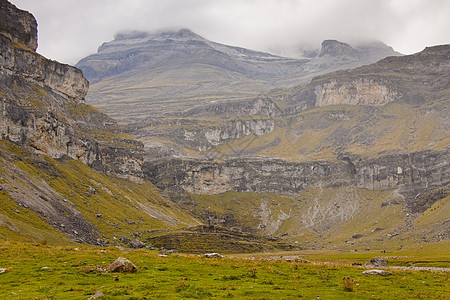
[72,29]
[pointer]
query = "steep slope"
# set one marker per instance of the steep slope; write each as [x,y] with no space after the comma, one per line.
[142,74]
[68,172]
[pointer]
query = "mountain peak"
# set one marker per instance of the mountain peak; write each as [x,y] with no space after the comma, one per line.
[336,48]
[131,39]
[181,34]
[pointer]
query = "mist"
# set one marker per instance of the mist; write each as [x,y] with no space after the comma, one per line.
[72,29]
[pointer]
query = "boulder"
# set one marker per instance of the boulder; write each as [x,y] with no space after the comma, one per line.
[121,265]
[377,272]
[136,244]
[210,255]
[97,295]
[376,262]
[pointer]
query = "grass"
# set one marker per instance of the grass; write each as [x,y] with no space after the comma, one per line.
[125,207]
[36,271]
[321,133]
[324,218]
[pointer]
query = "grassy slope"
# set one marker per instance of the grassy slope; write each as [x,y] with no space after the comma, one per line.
[125,207]
[43,272]
[333,218]
[324,132]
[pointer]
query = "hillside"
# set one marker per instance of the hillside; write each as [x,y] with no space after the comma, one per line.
[142,74]
[68,171]
[347,160]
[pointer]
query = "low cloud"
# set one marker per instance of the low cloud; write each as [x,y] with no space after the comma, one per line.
[72,29]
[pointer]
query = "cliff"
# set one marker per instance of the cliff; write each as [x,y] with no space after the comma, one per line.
[68,173]
[42,105]
[18,25]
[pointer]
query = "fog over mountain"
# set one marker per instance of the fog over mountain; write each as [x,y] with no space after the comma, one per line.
[72,29]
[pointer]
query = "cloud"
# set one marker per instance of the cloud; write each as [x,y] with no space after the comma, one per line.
[72,29]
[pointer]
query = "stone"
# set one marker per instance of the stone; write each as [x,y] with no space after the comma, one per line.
[211,255]
[136,244]
[121,265]
[97,295]
[2,270]
[18,25]
[376,262]
[377,272]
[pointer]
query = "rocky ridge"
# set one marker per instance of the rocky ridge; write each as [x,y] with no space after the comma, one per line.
[169,73]
[48,136]
[42,105]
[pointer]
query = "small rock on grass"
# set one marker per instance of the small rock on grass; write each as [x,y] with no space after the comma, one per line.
[209,255]
[2,270]
[377,272]
[376,262]
[97,295]
[121,265]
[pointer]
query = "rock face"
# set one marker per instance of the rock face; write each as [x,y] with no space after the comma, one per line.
[357,92]
[42,104]
[179,71]
[409,173]
[18,25]
[413,79]
[336,48]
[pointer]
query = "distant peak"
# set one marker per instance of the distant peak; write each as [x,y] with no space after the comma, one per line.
[336,48]
[183,33]
[124,35]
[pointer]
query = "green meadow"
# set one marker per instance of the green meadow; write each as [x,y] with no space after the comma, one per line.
[39,271]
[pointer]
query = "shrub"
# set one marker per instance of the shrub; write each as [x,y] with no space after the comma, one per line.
[348,284]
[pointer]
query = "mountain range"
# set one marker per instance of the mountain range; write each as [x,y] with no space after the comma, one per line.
[219,148]
[166,73]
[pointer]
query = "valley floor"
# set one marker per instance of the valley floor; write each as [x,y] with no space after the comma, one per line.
[38,271]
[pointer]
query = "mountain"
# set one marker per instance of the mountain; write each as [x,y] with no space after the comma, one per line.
[347,160]
[377,128]
[68,171]
[141,74]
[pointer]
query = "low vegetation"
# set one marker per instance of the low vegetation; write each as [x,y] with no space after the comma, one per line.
[37,271]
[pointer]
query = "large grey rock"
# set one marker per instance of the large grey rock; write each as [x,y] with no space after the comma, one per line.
[376,262]
[121,265]
[136,244]
[377,272]
[97,295]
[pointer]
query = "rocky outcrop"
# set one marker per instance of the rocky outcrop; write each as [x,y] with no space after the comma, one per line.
[18,25]
[29,65]
[336,48]
[413,79]
[258,175]
[358,92]
[411,174]
[42,104]
[206,138]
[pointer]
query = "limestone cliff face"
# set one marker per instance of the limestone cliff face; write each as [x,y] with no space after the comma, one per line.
[414,174]
[411,174]
[18,25]
[42,104]
[207,138]
[413,79]
[361,91]
[63,79]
